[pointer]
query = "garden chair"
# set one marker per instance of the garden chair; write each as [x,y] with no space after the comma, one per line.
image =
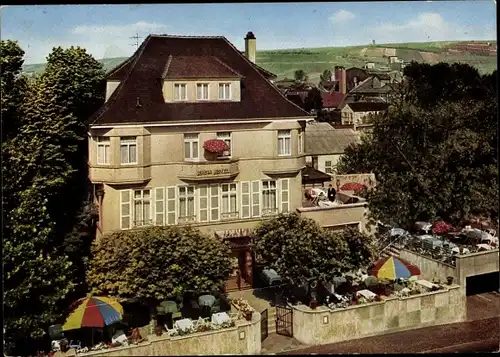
[170,331]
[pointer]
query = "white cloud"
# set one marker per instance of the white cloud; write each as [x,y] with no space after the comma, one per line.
[428,26]
[102,41]
[342,15]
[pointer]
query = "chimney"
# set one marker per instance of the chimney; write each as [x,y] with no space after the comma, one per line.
[340,75]
[250,46]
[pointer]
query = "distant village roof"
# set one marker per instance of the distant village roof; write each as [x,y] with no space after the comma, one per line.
[332,100]
[368,106]
[323,139]
[140,81]
[197,67]
[367,86]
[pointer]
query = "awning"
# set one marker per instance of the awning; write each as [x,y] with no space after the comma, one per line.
[215,146]
[310,174]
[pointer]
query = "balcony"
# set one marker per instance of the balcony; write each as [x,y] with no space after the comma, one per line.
[283,165]
[120,175]
[208,171]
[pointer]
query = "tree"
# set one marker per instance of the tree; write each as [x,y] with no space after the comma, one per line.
[156,263]
[434,154]
[43,166]
[313,100]
[326,76]
[300,75]
[300,251]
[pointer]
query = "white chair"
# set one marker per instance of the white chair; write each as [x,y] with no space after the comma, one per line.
[492,232]
[170,331]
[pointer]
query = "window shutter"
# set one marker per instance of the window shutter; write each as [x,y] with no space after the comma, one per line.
[171,205]
[245,199]
[203,202]
[125,209]
[159,206]
[285,195]
[256,198]
[214,203]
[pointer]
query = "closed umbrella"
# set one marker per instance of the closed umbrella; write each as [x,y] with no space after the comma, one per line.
[206,300]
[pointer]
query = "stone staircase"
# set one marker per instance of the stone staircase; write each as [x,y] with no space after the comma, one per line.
[271,321]
[391,250]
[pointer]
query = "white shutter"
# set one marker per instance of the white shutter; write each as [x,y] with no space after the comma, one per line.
[125,209]
[245,199]
[203,203]
[171,205]
[159,206]
[256,198]
[284,197]
[214,203]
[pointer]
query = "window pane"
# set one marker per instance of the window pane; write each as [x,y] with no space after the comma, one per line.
[284,185]
[228,91]
[137,212]
[221,91]
[190,190]
[133,157]
[225,204]
[137,194]
[287,146]
[183,92]
[182,207]
[233,204]
[159,206]
[214,215]
[272,198]
[246,211]
[101,154]
[191,206]
[328,163]
[198,91]
[147,212]
[125,209]
[203,191]
[215,202]
[214,190]
[284,196]
[245,200]
[203,216]
[176,92]
[195,150]
[225,188]
[187,150]
[272,184]
[171,206]
[205,91]
[125,222]
[123,154]
[203,203]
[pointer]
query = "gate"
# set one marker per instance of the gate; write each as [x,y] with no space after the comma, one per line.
[264,327]
[284,320]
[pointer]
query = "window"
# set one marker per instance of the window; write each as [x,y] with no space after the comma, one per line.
[300,146]
[125,209]
[226,137]
[285,195]
[103,150]
[245,200]
[202,91]
[186,204]
[225,91]
[180,91]
[328,167]
[229,201]
[128,150]
[284,139]
[269,198]
[191,146]
[159,206]
[142,208]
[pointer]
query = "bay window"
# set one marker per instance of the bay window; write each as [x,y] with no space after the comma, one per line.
[128,150]
[284,140]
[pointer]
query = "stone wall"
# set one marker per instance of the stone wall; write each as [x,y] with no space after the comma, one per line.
[243,339]
[476,264]
[323,326]
[429,267]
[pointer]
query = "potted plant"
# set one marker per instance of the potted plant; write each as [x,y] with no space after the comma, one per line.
[248,311]
[158,330]
[449,280]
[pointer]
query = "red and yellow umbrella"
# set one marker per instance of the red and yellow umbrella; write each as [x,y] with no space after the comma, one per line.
[95,311]
[393,268]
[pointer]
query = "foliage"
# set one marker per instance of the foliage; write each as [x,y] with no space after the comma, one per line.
[44,183]
[156,263]
[313,100]
[326,76]
[435,152]
[300,251]
[300,75]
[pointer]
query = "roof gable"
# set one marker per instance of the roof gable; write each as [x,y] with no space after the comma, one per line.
[142,83]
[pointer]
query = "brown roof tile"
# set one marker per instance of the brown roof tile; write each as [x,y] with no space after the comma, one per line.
[332,100]
[197,67]
[143,81]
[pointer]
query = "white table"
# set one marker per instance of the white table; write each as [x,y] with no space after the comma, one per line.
[366,294]
[220,317]
[183,324]
[425,284]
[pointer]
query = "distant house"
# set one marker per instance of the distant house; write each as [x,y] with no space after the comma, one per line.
[331,101]
[358,113]
[325,145]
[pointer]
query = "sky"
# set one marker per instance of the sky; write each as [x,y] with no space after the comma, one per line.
[106,30]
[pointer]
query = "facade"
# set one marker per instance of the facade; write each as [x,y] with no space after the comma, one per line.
[194,133]
[325,145]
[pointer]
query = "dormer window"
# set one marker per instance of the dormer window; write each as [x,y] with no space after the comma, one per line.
[202,91]
[224,91]
[180,91]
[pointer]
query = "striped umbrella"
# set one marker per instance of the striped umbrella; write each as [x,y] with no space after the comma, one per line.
[393,268]
[95,311]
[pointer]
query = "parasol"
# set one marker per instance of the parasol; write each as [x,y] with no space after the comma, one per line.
[442,227]
[215,146]
[393,268]
[353,186]
[95,311]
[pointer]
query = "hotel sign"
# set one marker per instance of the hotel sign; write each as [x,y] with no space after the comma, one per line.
[223,171]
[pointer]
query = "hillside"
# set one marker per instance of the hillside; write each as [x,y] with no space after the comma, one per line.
[313,61]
